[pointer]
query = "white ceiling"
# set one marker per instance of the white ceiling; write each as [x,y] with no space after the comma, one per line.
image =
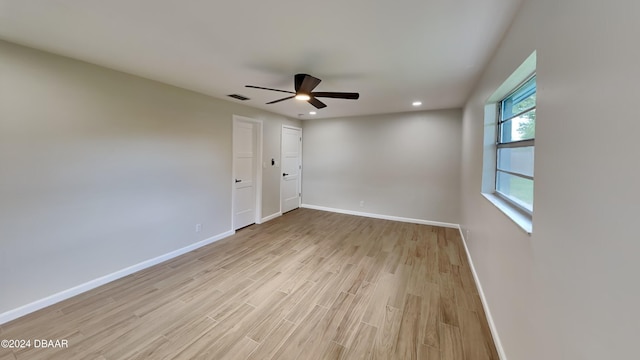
[390,51]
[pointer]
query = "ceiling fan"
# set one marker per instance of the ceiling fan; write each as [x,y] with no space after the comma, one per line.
[304,85]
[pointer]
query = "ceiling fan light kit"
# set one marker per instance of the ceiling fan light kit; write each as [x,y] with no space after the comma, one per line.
[304,85]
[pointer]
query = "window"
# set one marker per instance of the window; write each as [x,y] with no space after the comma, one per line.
[515,146]
[508,145]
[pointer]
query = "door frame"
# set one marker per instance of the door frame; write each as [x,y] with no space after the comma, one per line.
[257,164]
[282,157]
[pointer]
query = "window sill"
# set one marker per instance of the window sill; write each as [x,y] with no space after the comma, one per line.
[517,216]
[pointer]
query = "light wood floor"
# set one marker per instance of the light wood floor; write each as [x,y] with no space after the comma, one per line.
[308,285]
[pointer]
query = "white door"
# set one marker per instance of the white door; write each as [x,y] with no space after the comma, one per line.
[244,173]
[291,168]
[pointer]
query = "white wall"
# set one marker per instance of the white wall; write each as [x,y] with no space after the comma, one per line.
[101,170]
[405,165]
[571,289]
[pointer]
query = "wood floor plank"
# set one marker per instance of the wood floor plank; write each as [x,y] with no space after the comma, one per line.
[331,291]
[328,327]
[450,343]
[293,346]
[474,342]
[354,281]
[362,346]
[448,312]
[349,324]
[232,337]
[309,284]
[7,355]
[376,310]
[202,346]
[426,352]
[270,345]
[408,341]
[376,267]
[180,337]
[334,352]
[386,337]
[310,299]
[430,313]
[399,286]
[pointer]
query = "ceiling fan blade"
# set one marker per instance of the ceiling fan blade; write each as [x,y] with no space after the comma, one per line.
[283,99]
[264,88]
[317,103]
[305,83]
[337,95]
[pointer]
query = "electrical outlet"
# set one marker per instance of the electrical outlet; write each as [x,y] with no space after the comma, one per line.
[361,203]
[198,228]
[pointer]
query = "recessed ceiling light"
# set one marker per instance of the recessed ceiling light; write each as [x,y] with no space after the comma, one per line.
[303,97]
[312,112]
[417,103]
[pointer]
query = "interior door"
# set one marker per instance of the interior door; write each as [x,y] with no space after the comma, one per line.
[291,168]
[244,173]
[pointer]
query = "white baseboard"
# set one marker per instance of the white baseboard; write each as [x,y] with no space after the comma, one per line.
[270,217]
[483,299]
[92,284]
[384,217]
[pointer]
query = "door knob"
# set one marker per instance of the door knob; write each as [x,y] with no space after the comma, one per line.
[238,180]
[284,174]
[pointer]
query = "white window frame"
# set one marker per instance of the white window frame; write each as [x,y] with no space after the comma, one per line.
[519,215]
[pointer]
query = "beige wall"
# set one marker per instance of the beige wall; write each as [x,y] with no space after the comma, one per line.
[100,170]
[404,165]
[570,290]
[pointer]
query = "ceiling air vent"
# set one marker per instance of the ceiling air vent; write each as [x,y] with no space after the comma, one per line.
[239,97]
